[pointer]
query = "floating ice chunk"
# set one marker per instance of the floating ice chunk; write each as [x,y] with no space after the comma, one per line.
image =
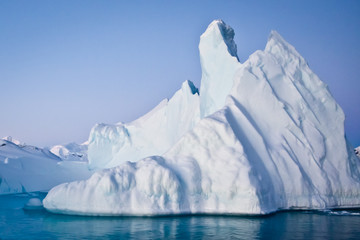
[33,204]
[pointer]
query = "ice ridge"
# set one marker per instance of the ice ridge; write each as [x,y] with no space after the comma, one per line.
[113,144]
[219,63]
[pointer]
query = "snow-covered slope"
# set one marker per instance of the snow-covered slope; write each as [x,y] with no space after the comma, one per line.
[71,151]
[152,134]
[277,142]
[25,168]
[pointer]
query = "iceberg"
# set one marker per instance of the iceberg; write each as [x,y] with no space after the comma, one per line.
[25,168]
[219,63]
[33,204]
[152,134]
[71,151]
[113,144]
[271,138]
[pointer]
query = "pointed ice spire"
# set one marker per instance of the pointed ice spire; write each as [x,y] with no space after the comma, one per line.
[219,62]
[281,49]
[220,32]
[189,85]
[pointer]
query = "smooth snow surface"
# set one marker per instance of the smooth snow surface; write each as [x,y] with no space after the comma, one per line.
[25,168]
[274,140]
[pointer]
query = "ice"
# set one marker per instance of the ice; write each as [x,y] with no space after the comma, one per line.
[152,134]
[71,151]
[219,63]
[357,151]
[33,204]
[276,142]
[11,139]
[25,168]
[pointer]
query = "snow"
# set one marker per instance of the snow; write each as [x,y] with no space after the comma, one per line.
[25,168]
[11,139]
[152,134]
[271,138]
[71,151]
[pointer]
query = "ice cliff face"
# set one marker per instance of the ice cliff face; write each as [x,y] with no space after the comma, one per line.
[25,168]
[219,63]
[271,137]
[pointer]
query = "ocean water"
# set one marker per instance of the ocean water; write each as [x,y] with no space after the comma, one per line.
[19,223]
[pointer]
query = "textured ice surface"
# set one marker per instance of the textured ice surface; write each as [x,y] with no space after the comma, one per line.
[25,168]
[71,151]
[276,142]
[152,134]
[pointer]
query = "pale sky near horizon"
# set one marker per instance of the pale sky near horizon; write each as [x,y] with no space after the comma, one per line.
[66,65]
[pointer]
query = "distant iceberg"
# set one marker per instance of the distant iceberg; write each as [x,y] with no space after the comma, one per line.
[26,168]
[262,136]
[71,151]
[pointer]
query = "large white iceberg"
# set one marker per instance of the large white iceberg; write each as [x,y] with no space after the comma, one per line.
[157,131]
[272,137]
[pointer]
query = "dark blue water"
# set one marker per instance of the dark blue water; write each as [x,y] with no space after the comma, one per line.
[17,223]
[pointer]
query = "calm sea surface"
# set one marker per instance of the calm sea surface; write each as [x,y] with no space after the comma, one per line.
[17,223]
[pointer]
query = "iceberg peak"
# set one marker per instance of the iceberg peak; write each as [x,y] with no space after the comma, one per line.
[274,35]
[190,85]
[219,63]
[281,49]
[227,34]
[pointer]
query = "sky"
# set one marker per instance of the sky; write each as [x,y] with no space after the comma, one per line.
[67,65]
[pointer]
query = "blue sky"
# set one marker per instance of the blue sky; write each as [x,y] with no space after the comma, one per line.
[66,65]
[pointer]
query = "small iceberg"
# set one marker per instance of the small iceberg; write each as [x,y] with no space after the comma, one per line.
[34,204]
